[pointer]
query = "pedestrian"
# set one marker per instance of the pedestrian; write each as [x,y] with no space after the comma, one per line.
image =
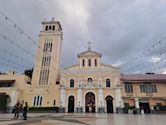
[16,110]
[142,111]
[152,109]
[25,109]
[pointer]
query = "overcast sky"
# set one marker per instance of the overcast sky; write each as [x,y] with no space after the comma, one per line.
[119,29]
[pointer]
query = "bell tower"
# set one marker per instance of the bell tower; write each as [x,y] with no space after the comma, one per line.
[47,62]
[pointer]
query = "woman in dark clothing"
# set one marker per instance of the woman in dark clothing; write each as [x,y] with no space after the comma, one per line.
[25,109]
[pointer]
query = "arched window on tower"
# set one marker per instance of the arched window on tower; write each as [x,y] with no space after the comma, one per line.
[50,27]
[46,28]
[83,62]
[51,48]
[89,62]
[95,62]
[53,28]
[41,98]
[71,83]
[34,101]
[108,84]
[38,100]
[46,47]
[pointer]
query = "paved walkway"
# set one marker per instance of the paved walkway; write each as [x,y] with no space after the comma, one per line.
[83,119]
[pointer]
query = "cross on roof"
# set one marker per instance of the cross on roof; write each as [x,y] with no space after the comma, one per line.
[89,45]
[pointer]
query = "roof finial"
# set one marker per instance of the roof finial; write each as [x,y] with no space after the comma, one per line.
[53,19]
[89,45]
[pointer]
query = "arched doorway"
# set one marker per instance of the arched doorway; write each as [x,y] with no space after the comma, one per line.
[90,102]
[71,104]
[109,104]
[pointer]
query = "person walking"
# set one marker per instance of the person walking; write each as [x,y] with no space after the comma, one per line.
[25,109]
[16,110]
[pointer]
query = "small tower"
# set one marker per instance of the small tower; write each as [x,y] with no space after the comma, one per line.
[47,63]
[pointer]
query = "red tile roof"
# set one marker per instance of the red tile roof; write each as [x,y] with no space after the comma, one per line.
[143,77]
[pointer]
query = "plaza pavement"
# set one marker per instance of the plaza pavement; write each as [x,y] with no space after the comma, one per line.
[83,119]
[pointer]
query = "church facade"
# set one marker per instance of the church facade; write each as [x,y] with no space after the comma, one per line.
[87,86]
[90,85]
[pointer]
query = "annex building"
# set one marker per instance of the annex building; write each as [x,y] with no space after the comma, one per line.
[87,86]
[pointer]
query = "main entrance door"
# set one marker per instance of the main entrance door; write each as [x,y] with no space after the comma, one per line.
[90,102]
[71,104]
[109,103]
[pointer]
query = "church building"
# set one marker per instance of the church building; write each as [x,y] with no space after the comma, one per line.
[87,86]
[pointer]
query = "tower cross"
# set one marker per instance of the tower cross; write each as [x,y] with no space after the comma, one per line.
[89,45]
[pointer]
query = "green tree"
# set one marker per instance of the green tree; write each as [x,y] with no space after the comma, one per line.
[28,72]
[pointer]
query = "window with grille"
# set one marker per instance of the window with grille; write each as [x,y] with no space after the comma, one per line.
[148,88]
[128,87]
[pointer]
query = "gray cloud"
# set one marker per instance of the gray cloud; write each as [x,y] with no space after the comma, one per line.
[117,28]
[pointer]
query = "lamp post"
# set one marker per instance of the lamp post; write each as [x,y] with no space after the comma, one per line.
[61,109]
[101,104]
[79,104]
[61,104]
[120,107]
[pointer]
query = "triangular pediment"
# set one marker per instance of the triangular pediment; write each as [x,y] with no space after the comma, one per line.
[89,53]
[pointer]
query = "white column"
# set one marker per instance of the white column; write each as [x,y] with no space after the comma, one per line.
[79,97]
[81,63]
[98,63]
[62,97]
[85,65]
[93,63]
[136,103]
[14,97]
[118,98]
[100,97]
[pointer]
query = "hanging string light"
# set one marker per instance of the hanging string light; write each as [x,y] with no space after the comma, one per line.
[22,32]
[144,53]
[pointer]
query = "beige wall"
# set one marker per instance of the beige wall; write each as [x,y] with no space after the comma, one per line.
[17,91]
[153,98]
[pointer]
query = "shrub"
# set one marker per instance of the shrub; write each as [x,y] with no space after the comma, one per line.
[43,109]
[160,108]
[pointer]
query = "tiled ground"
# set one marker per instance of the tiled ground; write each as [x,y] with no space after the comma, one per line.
[83,119]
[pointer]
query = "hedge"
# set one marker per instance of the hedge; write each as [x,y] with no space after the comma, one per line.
[126,109]
[43,109]
[160,108]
